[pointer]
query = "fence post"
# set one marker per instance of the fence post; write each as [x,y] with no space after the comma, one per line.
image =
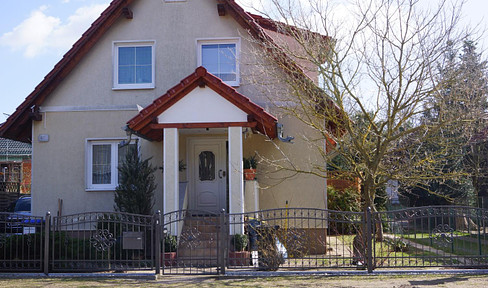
[157,250]
[222,247]
[369,240]
[478,215]
[47,231]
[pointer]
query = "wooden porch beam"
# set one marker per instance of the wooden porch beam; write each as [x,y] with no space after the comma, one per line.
[202,125]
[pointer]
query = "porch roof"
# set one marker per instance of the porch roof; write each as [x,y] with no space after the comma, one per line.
[146,122]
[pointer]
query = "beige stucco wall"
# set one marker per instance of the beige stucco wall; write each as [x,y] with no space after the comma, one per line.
[277,187]
[59,165]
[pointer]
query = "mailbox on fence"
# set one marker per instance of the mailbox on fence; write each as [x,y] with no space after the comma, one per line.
[133,240]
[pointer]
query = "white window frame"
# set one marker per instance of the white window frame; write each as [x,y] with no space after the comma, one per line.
[115,53]
[114,181]
[236,41]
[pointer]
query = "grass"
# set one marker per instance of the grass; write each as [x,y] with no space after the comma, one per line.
[385,256]
[375,281]
[462,244]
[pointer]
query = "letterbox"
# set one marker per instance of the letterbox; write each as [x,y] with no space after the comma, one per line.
[133,240]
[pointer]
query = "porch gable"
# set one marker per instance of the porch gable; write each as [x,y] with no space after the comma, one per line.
[201,100]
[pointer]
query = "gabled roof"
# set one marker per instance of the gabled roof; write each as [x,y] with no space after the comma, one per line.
[18,125]
[145,123]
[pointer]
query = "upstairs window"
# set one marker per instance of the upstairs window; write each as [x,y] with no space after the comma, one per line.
[133,65]
[221,58]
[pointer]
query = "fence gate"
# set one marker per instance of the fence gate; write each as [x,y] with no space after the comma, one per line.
[22,240]
[102,241]
[192,242]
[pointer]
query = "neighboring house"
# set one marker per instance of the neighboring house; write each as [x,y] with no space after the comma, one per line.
[15,163]
[15,170]
[150,53]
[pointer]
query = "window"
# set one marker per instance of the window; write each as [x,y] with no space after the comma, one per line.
[220,57]
[134,65]
[103,159]
[206,166]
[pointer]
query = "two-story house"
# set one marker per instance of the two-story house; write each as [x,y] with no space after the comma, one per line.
[177,79]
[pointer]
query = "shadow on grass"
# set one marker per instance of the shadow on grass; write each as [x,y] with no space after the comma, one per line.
[435,282]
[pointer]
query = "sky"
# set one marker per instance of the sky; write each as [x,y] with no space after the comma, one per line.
[35,34]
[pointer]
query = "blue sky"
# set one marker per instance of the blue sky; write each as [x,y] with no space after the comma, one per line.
[35,34]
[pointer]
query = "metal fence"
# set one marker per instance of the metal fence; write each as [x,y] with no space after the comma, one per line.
[22,240]
[441,236]
[101,241]
[198,242]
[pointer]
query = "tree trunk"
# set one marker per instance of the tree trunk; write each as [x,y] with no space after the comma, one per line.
[368,194]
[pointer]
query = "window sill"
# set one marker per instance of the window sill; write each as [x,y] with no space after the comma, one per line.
[99,189]
[132,88]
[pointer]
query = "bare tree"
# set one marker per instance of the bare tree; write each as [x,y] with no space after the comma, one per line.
[377,72]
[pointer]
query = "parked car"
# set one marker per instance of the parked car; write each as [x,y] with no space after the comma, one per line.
[19,221]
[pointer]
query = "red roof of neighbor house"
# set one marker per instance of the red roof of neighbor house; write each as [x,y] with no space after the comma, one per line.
[145,123]
[18,125]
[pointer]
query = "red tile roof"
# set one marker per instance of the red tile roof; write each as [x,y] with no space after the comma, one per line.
[18,125]
[144,123]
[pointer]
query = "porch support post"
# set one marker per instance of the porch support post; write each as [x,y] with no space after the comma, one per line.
[170,172]
[236,181]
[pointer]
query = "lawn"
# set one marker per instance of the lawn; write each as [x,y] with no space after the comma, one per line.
[376,281]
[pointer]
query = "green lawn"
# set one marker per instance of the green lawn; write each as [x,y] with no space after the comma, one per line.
[462,244]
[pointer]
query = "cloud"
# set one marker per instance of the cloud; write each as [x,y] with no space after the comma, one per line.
[41,33]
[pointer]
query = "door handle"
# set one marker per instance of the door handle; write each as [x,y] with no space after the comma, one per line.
[221,173]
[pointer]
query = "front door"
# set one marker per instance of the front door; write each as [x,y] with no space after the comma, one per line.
[207,174]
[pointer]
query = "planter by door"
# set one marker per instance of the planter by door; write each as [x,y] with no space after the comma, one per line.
[239,258]
[249,174]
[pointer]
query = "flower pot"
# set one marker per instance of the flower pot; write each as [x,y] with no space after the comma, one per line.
[239,258]
[168,258]
[249,174]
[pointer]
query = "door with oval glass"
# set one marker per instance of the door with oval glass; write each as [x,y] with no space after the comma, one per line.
[207,174]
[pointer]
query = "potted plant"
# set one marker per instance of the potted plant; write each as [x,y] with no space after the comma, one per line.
[250,165]
[237,254]
[169,252]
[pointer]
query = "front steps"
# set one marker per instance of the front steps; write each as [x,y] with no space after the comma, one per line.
[198,243]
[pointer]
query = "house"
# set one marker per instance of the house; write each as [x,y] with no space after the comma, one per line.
[15,170]
[177,79]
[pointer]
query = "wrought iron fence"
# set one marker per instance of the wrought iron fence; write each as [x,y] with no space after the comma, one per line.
[296,239]
[22,240]
[440,236]
[101,241]
[198,242]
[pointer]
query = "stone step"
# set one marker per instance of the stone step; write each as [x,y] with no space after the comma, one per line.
[197,253]
[195,261]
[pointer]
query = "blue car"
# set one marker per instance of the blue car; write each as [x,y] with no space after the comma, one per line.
[19,221]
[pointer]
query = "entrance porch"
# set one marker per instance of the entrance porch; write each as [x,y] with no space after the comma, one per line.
[202,120]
